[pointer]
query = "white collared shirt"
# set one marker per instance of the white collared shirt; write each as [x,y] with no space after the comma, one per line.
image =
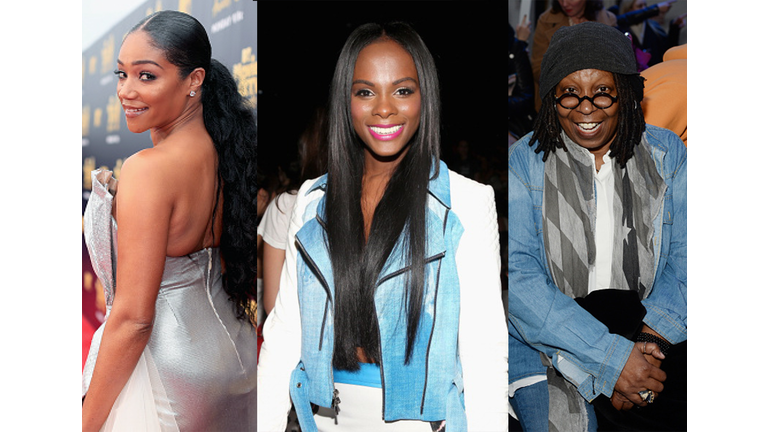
[600,273]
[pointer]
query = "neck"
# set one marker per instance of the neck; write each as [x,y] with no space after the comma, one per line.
[577,19]
[376,175]
[376,166]
[191,118]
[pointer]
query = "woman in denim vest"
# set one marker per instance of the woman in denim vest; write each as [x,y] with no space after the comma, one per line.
[597,240]
[389,314]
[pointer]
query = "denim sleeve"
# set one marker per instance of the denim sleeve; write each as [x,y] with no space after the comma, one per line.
[547,320]
[668,302]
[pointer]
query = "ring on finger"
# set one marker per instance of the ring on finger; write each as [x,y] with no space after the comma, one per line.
[647,396]
[644,344]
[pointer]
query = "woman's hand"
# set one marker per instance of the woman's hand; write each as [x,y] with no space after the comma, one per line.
[653,355]
[652,352]
[620,402]
[144,207]
[523,30]
[664,6]
[680,21]
[638,375]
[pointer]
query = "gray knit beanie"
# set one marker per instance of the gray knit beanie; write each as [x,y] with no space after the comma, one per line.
[589,45]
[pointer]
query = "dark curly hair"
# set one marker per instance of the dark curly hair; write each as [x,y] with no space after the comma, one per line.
[231,123]
[546,128]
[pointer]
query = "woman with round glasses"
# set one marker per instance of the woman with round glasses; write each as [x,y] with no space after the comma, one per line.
[597,241]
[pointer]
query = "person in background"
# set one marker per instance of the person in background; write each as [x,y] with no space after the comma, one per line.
[562,13]
[313,153]
[649,38]
[520,106]
[665,103]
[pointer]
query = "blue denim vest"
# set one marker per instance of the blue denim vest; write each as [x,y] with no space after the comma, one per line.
[589,356]
[430,388]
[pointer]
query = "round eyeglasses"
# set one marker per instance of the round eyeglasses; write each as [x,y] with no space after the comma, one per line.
[599,100]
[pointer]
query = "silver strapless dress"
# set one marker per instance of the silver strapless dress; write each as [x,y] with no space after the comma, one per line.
[198,371]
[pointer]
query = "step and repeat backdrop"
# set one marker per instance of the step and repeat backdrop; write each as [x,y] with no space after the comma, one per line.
[107,142]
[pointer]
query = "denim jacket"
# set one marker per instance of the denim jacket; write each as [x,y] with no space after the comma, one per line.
[461,338]
[543,319]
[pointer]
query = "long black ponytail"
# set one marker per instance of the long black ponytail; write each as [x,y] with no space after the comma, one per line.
[231,123]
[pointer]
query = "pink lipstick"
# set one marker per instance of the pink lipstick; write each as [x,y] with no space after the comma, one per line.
[386,132]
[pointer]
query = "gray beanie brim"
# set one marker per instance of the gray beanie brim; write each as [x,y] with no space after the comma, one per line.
[588,45]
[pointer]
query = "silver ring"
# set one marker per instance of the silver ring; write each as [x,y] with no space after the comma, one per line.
[647,396]
[644,344]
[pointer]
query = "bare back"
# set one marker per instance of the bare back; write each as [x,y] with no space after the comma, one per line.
[185,172]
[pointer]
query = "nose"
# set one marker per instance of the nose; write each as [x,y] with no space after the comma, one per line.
[384,107]
[125,89]
[586,106]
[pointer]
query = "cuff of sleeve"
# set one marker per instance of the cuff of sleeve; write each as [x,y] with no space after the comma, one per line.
[667,324]
[608,373]
[525,382]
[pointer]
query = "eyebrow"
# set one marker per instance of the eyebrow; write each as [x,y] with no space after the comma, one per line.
[141,62]
[396,82]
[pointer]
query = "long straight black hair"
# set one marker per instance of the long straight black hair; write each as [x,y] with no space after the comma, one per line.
[401,211]
[231,124]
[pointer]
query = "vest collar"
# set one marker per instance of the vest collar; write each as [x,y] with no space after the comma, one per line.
[314,229]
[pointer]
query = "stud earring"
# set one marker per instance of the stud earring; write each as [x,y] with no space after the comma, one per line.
[192,93]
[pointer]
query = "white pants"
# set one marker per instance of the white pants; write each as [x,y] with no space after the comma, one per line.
[360,409]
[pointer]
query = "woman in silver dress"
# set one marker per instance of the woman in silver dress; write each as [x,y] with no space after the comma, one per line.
[177,350]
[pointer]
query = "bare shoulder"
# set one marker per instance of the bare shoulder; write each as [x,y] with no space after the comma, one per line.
[143,161]
[145,171]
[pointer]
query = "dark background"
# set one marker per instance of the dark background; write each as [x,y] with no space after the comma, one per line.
[299,44]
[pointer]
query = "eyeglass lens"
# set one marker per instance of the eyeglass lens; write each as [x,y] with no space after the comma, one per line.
[600,100]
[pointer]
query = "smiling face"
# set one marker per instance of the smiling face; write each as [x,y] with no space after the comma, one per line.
[150,90]
[385,100]
[588,126]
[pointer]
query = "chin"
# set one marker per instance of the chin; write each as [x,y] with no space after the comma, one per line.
[137,129]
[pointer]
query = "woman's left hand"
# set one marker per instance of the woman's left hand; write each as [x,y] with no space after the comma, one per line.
[640,375]
[620,402]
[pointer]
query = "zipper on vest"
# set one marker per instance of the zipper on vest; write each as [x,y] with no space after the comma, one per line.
[381,356]
[322,328]
[434,321]
[335,401]
[381,368]
[405,269]
[323,282]
[429,343]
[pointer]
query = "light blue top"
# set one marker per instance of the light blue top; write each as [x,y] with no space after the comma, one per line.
[543,319]
[368,375]
[434,375]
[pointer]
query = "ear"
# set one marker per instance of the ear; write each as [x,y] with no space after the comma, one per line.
[196,78]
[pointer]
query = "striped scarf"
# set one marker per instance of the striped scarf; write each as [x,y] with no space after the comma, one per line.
[570,210]
[570,213]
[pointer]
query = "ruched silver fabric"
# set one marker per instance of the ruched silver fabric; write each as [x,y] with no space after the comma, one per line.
[202,359]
